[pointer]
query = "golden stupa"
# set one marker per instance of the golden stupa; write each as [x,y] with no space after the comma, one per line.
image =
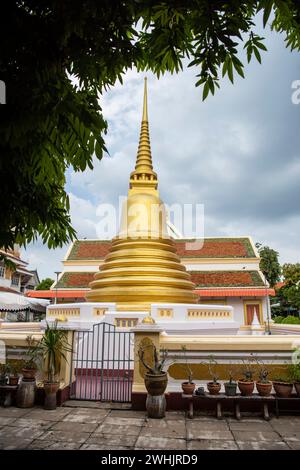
[142,266]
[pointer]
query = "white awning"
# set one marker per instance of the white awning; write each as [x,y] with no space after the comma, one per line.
[12,301]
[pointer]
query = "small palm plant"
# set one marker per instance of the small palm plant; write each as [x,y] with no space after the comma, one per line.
[53,347]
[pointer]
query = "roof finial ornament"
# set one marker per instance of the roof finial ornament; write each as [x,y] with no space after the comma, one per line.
[143,174]
[145,106]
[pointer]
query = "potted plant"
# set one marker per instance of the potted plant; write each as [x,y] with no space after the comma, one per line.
[246,384]
[263,385]
[52,348]
[13,377]
[214,386]
[294,372]
[29,368]
[231,386]
[156,379]
[188,386]
[283,386]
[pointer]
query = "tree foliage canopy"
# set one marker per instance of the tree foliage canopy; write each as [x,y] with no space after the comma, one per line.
[45,284]
[291,288]
[287,299]
[50,124]
[269,264]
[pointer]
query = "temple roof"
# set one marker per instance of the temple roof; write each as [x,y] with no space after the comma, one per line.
[227,279]
[202,279]
[212,248]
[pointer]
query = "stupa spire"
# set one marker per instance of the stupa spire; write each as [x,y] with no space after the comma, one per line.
[143,175]
[142,266]
[145,104]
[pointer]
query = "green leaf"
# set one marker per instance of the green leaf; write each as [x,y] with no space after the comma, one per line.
[230,70]
[205,91]
[257,54]
[224,68]
[249,52]
[261,46]
[98,150]
[267,11]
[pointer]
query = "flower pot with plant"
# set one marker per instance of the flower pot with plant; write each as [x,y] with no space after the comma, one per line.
[263,385]
[29,368]
[13,377]
[156,379]
[283,386]
[52,348]
[231,386]
[214,386]
[294,372]
[188,386]
[246,384]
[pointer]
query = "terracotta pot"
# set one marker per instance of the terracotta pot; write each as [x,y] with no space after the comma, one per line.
[188,388]
[29,374]
[297,387]
[214,387]
[264,388]
[156,384]
[283,389]
[246,387]
[13,381]
[50,395]
[230,389]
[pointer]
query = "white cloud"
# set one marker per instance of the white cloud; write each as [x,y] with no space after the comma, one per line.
[237,153]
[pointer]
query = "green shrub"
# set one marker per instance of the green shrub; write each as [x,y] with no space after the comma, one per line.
[278,319]
[294,372]
[291,320]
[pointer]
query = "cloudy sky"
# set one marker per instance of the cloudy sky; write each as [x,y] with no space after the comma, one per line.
[238,154]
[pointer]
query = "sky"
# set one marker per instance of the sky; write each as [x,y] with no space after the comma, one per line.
[237,154]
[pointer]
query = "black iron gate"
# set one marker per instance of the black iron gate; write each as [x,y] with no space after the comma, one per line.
[102,364]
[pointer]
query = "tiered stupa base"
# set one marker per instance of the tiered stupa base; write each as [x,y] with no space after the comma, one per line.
[138,273]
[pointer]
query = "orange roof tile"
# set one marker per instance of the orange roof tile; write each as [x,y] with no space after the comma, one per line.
[235,292]
[52,294]
[211,248]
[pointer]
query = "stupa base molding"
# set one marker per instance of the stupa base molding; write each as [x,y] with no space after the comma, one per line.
[172,318]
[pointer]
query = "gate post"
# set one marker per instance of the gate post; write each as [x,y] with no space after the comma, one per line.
[142,333]
[66,374]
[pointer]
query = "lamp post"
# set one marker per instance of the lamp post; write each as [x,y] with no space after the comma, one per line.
[57,274]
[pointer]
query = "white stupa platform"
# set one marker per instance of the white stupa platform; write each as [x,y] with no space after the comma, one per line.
[172,318]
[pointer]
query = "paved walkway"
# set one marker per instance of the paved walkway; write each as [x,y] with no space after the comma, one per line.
[97,426]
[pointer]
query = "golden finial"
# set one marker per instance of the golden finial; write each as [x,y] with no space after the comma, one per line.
[145,105]
[143,173]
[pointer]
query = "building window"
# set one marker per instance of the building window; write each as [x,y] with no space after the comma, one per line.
[15,278]
[251,308]
[2,271]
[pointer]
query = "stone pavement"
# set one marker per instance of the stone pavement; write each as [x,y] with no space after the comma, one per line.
[100,427]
